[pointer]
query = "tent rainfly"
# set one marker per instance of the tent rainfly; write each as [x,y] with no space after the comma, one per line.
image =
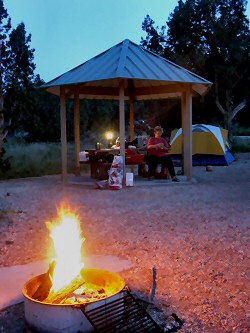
[127,71]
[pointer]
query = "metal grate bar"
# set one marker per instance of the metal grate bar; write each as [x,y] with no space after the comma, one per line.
[124,315]
[108,304]
[99,316]
[115,314]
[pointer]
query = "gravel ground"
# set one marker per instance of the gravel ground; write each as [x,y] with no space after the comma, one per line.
[196,235]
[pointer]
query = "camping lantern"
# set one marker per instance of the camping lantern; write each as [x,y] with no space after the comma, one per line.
[109,136]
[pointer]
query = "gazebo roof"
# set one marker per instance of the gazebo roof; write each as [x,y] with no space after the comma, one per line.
[146,74]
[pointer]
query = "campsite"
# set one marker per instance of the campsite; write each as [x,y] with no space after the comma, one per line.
[124,166]
[196,236]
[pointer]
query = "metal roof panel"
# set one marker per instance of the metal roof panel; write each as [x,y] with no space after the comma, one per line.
[129,61]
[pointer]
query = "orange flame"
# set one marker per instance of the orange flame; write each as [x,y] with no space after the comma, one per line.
[66,235]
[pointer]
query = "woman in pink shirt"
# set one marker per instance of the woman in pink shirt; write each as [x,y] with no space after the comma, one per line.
[158,148]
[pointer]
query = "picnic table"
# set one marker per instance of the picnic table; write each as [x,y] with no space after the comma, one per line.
[100,161]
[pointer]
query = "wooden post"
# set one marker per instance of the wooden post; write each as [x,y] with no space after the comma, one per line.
[63,134]
[188,135]
[183,105]
[131,120]
[77,132]
[122,120]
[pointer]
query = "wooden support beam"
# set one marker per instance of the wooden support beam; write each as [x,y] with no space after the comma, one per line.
[187,129]
[154,90]
[132,122]
[63,134]
[183,105]
[132,118]
[122,119]
[77,132]
[102,91]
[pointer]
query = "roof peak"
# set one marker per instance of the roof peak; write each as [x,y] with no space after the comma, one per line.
[129,60]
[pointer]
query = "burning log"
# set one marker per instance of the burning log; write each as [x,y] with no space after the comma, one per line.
[44,288]
[57,297]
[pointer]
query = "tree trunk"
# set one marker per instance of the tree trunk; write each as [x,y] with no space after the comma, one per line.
[228,125]
[229,114]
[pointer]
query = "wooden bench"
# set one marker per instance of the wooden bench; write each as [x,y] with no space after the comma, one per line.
[162,174]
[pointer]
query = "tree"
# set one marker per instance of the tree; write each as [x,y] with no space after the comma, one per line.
[19,77]
[42,121]
[211,38]
[155,40]
[5,25]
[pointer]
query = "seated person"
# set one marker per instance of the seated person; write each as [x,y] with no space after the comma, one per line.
[158,148]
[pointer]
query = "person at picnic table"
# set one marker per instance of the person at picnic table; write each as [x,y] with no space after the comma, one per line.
[158,148]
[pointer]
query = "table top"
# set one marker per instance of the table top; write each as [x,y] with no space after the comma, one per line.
[113,150]
[103,151]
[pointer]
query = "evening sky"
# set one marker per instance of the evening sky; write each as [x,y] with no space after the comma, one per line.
[66,33]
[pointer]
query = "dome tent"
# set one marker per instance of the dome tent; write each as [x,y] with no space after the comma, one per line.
[209,145]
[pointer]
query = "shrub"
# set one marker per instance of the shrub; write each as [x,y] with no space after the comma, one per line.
[35,159]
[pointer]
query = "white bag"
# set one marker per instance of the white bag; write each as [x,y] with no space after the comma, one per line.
[116,173]
[84,156]
[129,179]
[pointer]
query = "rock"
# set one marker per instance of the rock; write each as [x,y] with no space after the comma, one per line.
[209,168]
[9,242]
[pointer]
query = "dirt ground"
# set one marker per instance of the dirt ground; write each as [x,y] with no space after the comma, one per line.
[196,235]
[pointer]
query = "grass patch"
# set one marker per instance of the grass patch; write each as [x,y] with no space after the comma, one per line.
[35,159]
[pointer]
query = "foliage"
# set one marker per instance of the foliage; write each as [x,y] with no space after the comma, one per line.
[242,145]
[155,39]
[241,131]
[29,110]
[5,164]
[5,25]
[35,159]
[210,38]
[42,122]
[18,77]
[96,116]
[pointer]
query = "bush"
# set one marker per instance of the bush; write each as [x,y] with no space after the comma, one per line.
[241,144]
[35,159]
[241,131]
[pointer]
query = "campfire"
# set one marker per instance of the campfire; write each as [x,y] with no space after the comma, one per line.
[67,284]
[72,299]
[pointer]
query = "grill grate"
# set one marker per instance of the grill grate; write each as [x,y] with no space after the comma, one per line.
[124,315]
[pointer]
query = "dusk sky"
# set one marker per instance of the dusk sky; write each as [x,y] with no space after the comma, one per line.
[68,33]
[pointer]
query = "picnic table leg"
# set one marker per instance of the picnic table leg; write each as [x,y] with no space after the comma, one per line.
[94,169]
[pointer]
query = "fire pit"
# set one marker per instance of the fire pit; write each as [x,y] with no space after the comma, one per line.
[45,317]
[71,299]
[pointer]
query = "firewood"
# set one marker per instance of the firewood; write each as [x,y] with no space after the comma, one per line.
[43,290]
[56,297]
